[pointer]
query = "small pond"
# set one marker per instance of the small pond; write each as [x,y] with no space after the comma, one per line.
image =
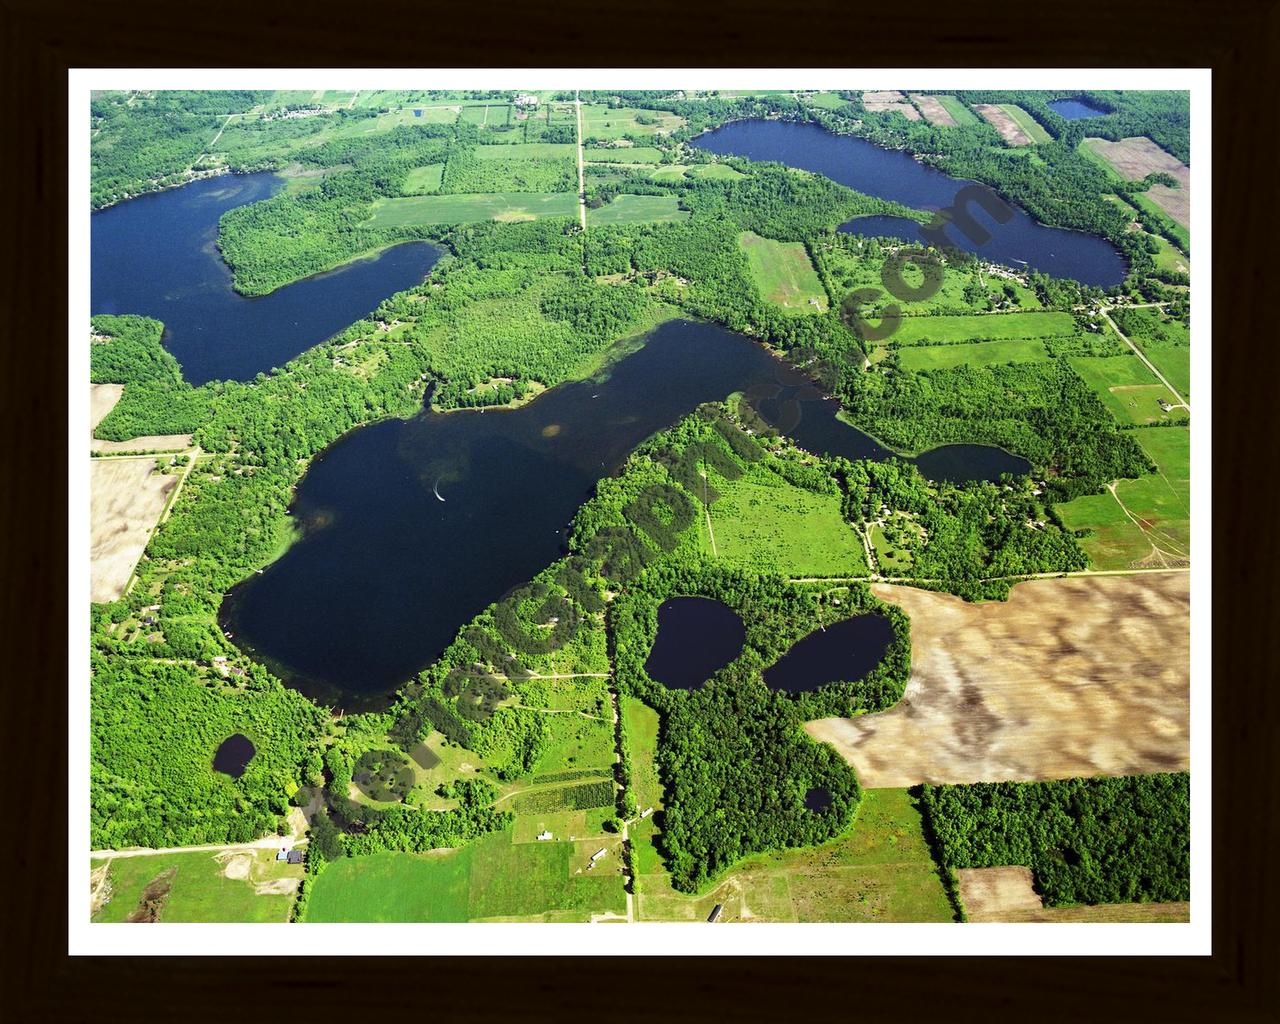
[844,652]
[233,756]
[1075,109]
[817,800]
[696,638]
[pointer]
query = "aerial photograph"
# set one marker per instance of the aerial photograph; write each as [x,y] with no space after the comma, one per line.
[606,506]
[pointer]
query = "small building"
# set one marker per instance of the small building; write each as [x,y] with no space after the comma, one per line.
[544,836]
[283,854]
[526,100]
[295,857]
[598,854]
[646,812]
[417,111]
[714,916]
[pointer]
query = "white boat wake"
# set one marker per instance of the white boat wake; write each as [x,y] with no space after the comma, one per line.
[436,488]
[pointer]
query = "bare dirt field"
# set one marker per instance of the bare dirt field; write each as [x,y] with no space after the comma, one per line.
[1004,124]
[934,112]
[102,399]
[888,100]
[1136,157]
[1006,895]
[1070,677]
[127,496]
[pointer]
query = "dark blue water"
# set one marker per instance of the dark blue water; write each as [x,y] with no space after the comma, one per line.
[895,175]
[817,800]
[696,638]
[1075,109]
[844,652]
[387,573]
[234,755]
[157,255]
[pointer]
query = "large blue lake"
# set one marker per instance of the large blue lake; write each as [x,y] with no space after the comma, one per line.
[386,571]
[895,175]
[157,255]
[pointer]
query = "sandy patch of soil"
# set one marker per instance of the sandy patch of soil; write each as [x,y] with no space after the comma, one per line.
[1070,677]
[276,887]
[148,443]
[99,887]
[102,399]
[235,865]
[127,496]
[1004,124]
[889,100]
[1006,894]
[934,112]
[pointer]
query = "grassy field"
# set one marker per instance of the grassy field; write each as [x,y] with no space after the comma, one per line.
[200,889]
[423,180]
[880,870]
[641,723]
[962,114]
[982,353]
[763,522]
[458,209]
[784,274]
[1127,388]
[1160,503]
[629,209]
[715,172]
[493,878]
[487,115]
[602,122]
[942,330]
[528,151]
[1166,343]
[827,101]
[669,172]
[1027,123]
[891,559]
[622,155]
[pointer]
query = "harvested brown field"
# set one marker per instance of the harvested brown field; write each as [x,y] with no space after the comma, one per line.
[102,399]
[1136,157]
[127,496]
[889,100]
[1071,677]
[1003,123]
[934,112]
[1005,895]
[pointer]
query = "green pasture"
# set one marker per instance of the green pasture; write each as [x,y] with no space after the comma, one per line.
[629,209]
[982,353]
[946,330]
[763,522]
[413,211]
[622,155]
[1027,123]
[1127,388]
[199,890]
[424,180]
[784,274]
[962,114]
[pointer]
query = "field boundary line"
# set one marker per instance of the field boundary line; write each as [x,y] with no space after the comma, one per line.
[1106,313]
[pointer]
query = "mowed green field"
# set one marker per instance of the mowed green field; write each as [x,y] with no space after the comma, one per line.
[1156,530]
[715,172]
[982,353]
[622,155]
[943,330]
[199,889]
[1127,388]
[962,114]
[424,180]
[763,522]
[464,208]
[784,274]
[880,870]
[629,209]
[1026,122]
[528,151]
[602,122]
[493,878]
